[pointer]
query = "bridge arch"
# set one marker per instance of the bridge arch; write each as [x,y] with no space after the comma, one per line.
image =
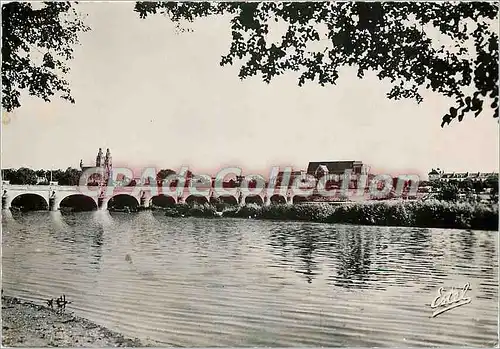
[254,199]
[196,199]
[298,199]
[120,201]
[78,203]
[162,200]
[30,202]
[277,199]
[228,200]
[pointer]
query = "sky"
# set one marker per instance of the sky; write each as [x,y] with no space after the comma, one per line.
[157,97]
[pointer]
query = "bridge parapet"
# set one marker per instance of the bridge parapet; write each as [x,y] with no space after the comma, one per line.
[65,188]
[39,187]
[124,189]
[19,187]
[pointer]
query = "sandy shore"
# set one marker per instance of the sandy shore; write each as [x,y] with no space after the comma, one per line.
[25,324]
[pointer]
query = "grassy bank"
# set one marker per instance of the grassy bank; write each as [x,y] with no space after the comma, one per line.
[428,214]
[25,324]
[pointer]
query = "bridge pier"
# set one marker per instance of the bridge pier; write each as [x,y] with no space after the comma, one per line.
[145,203]
[267,200]
[103,204]
[54,201]
[6,200]
[289,197]
[144,200]
[56,204]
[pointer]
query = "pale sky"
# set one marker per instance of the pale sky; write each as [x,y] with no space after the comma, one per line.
[157,97]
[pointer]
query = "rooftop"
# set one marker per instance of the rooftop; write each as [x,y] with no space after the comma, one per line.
[333,166]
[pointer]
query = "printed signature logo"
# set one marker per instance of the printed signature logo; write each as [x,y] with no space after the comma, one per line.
[448,299]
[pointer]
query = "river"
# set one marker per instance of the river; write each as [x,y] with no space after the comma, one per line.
[234,282]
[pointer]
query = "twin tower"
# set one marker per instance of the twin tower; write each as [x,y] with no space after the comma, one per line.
[101,161]
[105,166]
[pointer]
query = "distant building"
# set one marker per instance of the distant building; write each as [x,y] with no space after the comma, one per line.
[436,175]
[102,170]
[336,168]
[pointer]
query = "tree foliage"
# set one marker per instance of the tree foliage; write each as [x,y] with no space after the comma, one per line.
[70,177]
[390,38]
[21,176]
[466,185]
[448,192]
[8,173]
[25,176]
[56,175]
[36,43]
[163,174]
[41,173]
[492,182]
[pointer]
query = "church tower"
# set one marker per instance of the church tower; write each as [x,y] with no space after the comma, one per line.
[99,159]
[108,166]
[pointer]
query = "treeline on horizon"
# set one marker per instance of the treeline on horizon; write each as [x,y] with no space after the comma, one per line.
[27,176]
[71,176]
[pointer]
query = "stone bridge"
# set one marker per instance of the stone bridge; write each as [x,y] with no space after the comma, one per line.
[54,196]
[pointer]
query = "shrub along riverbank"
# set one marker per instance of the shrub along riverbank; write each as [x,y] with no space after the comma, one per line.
[425,214]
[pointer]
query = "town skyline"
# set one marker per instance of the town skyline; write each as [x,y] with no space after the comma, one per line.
[139,172]
[176,106]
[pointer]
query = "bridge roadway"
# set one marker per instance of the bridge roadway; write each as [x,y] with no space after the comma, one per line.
[55,195]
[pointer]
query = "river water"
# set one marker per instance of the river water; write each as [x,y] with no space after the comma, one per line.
[235,282]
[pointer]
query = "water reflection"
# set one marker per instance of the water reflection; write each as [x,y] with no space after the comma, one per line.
[249,282]
[291,241]
[346,252]
[307,246]
[68,231]
[7,217]
[416,243]
[486,255]
[354,259]
[467,243]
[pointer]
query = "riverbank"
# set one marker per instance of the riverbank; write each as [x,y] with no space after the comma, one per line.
[25,324]
[421,214]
